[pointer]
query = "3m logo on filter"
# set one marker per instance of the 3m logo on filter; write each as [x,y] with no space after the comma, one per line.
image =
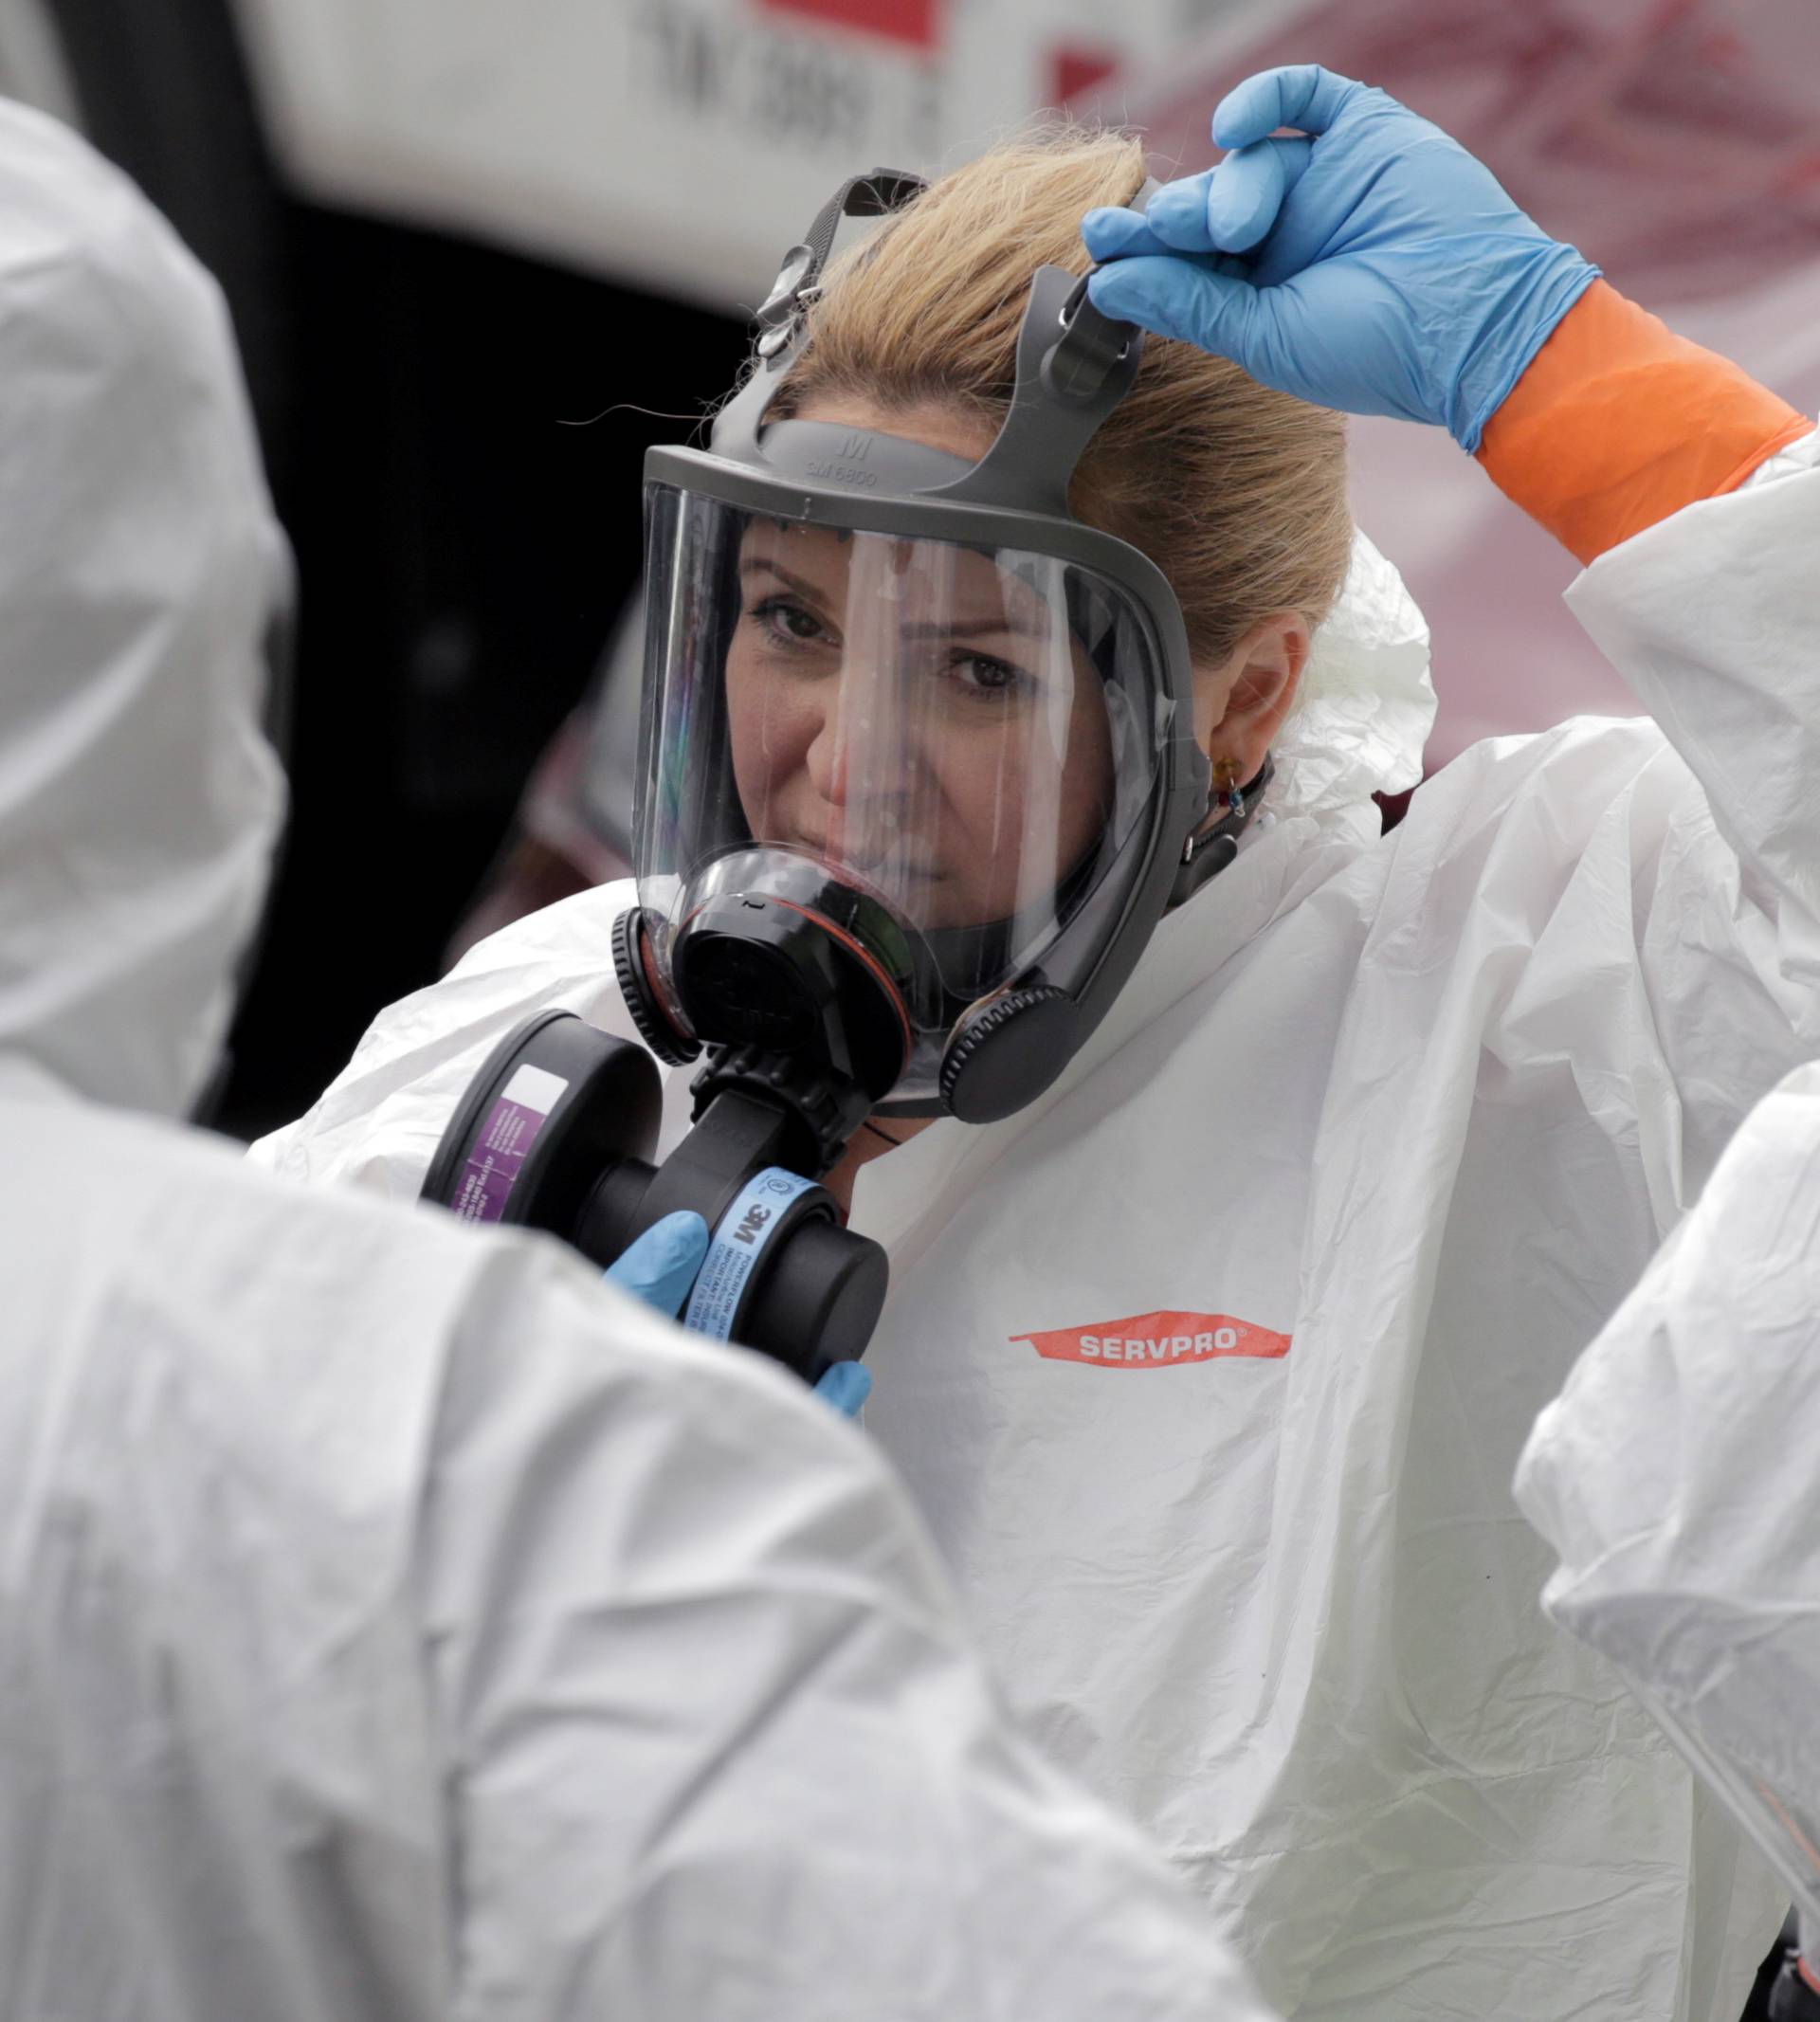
[1158,1340]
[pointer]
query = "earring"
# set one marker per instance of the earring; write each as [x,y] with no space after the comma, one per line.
[1227,790]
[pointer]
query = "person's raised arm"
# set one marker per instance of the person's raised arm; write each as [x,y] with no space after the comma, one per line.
[1370,262]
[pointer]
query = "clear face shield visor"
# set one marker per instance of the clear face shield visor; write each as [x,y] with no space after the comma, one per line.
[942,747]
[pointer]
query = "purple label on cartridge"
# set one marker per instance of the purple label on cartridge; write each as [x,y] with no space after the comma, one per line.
[498,1154]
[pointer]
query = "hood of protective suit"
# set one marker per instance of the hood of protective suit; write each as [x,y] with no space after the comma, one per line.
[141,573]
[1367,702]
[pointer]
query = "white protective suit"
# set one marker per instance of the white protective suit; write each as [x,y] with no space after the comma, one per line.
[1676,1478]
[1211,1368]
[397,1625]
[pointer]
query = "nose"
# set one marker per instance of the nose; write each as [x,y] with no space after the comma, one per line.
[850,752]
[862,757]
[830,756]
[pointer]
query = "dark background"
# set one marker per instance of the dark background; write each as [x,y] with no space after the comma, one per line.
[463,555]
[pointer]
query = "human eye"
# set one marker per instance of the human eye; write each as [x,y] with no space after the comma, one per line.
[982,676]
[786,622]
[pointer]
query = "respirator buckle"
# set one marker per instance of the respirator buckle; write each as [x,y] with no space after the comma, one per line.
[870,195]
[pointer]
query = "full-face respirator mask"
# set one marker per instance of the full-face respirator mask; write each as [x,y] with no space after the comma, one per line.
[919,778]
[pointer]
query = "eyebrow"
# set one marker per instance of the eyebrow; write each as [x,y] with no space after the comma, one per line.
[763,565]
[979,628]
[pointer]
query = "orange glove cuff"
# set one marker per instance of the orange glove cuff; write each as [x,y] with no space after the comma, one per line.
[1619,422]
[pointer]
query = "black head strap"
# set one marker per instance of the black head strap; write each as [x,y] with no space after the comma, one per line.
[1209,850]
[870,195]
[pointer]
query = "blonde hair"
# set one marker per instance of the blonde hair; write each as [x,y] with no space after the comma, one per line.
[1237,493]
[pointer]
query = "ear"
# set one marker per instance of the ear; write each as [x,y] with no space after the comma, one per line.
[1241,704]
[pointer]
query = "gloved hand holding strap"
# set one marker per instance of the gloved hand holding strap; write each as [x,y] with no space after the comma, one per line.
[1617,423]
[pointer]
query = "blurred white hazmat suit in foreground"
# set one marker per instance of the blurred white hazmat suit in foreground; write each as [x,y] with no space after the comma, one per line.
[1676,1477]
[397,1624]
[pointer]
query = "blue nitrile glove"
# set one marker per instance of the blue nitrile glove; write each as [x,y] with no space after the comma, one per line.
[1384,272]
[660,1267]
[846,1386]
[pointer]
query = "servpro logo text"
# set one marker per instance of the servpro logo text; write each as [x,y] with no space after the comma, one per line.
[1158,1340]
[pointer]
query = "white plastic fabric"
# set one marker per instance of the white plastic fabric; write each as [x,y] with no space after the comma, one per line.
[1365,706]
[1211,1368]
[395,1624]
[1675,1477]
[138,570]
